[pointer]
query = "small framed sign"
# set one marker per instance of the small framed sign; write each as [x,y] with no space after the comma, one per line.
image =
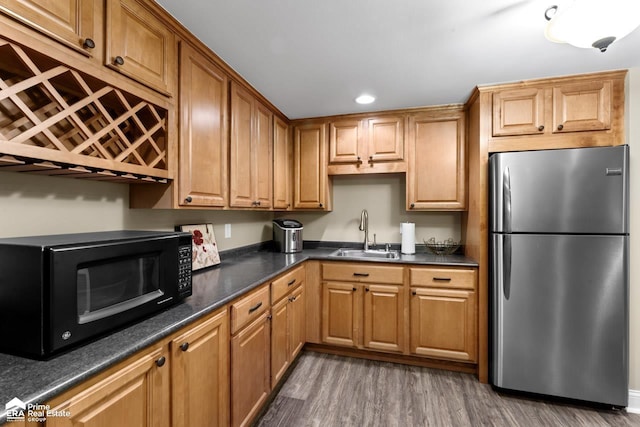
[205,249]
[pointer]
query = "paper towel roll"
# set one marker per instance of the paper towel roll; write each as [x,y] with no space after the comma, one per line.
[408,231]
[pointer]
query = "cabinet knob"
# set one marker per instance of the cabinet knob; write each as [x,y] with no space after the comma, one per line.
[184,346]
[188,199]
[371,158]
[366,289]
[560,127]
[320,205]
[354,289]
[89,44]
[359,159]
[412,205]
[541,128]
[161,361]
[414,293]
[118,60]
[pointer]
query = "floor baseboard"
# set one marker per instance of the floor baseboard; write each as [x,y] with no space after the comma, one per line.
[634,402]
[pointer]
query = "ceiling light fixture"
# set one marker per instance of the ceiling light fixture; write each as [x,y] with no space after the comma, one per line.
[592,23]
[365,99]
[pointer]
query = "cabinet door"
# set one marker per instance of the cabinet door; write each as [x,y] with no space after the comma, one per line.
[297,322]
[262,153]
[75,23]
[385,139]
[310,167]
[250,370]
[136,395]
[203,131]
[280,349]
[443,323]
[139,45]
[436,178]
[282,165]
[518,112]
[582,107]
[384,317]
[341,313]
[240,172]
[345,142]
[200,374]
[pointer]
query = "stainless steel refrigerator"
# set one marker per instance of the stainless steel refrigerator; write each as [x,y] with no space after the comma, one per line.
[559,237]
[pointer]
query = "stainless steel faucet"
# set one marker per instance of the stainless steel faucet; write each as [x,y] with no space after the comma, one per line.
[364,226]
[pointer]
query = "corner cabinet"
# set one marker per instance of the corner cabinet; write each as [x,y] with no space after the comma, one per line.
[311,183]
[203,131]
[436,172]
[251,157]
[135,393]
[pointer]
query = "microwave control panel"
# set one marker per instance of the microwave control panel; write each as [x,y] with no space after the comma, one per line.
[184,270]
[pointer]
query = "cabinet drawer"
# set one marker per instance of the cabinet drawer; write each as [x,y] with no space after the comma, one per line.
[248,308]
[462,278]
[282,285]
[362,272]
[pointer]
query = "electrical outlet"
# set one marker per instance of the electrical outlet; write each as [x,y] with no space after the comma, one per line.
[227,231]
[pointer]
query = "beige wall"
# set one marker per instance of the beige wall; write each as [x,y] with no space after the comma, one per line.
[383,196]
[33,204]
[633,138]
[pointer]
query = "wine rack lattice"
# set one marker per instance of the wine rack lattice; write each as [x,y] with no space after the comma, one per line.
[60,121]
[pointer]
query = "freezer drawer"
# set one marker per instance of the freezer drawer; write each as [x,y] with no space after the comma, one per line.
[560,315]
[579,190]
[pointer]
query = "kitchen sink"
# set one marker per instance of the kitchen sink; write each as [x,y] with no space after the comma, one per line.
[361,253]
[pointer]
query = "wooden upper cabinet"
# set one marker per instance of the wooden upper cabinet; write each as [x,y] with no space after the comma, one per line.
[369,145]
[553,108]
[582,106]
[518,112]
[75,23]
[436,175]
[203,131]
[139,45]
[251,159]
[282,165]
[311,186]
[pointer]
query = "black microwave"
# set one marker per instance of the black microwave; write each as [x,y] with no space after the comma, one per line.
[57,291]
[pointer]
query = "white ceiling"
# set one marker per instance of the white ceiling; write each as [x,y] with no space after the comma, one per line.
[313,57]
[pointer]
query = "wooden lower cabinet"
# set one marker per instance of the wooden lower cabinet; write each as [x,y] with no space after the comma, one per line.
[250,370]
[287,332]
[364,316]
[135,393]
[200,374]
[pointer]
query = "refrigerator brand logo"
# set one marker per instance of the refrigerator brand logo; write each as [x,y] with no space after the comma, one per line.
[17,410]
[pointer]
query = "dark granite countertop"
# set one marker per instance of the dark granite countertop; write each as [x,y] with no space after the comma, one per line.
[35,381]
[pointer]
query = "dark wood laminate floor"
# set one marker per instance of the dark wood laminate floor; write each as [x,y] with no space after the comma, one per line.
[326,390]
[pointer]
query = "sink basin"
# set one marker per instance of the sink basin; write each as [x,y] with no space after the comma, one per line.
[361,253]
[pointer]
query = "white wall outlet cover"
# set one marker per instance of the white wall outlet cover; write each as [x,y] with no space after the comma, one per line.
[227,231]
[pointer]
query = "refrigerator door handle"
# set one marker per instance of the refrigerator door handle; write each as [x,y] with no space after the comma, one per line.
[506,200]
[506,283]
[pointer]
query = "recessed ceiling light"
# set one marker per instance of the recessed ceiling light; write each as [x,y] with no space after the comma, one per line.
[365,99]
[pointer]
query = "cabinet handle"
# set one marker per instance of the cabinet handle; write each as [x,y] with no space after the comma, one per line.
[161,361]
[257,202]
[320,205]
[291,282]
[366,289]
[354,289]
[412,205]
[370,158]
[361,274]
[292,299]
[269,316]
[442,279]
[118,60]
[89,44]
[414,293]
[541,128]
[184,346]
[255,307]
[560,127]
[188,199]
[359,159]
